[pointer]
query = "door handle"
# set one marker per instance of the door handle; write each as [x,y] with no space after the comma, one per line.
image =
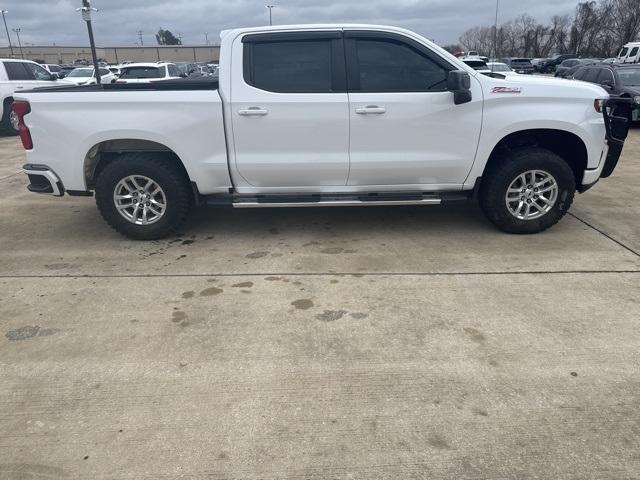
[19,87]
[253,112]
[371,110]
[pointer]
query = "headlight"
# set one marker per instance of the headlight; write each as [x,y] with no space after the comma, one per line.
[636,100]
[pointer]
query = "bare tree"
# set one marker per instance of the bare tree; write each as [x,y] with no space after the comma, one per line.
[598,28]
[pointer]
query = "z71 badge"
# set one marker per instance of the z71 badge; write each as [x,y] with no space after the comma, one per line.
[506,90]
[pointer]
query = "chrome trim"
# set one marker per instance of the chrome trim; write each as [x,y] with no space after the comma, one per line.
[49,175]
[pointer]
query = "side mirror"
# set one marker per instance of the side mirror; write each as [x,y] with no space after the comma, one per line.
[55,76]
[459,83]
[608,84]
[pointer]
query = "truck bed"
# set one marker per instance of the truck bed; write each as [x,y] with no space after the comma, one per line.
[197,83]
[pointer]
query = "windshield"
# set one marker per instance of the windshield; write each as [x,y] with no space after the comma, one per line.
[629,76]
[54,68]
[81,72]
[623,52]
[521,61]
[500,67]
[142,72]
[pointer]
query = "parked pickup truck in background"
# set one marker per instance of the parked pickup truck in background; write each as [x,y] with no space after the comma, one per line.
[324,115]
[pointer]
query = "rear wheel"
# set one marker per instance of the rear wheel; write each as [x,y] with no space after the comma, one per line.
[9,122]
[529,191]
[142,196]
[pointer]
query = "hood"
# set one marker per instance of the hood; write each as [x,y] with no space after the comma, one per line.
[534,86]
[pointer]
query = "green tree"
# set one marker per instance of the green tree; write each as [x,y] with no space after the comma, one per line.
[165,37]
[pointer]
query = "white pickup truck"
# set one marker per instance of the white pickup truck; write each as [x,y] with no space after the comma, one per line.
[324,115]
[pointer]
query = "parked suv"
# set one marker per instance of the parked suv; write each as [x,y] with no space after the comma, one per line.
[549,65]
[519,65]
[17,75]
[621,80]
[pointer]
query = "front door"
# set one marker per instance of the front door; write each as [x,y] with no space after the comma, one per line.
[290,112]
[405,128]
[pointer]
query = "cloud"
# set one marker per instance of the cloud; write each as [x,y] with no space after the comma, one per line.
[45,22]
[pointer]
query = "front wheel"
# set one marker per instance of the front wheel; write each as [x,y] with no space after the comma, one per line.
[143,197]
[529,191]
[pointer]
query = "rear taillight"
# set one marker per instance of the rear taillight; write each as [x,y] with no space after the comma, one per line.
[21,108]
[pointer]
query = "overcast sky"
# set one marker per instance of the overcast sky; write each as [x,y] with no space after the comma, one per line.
[45,22]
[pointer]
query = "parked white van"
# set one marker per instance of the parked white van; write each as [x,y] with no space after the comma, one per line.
[630,53]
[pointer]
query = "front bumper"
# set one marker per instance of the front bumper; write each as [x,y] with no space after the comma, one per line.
[43,180]
[617,120]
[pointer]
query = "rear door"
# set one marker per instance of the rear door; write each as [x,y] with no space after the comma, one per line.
[405,128]
[290,111]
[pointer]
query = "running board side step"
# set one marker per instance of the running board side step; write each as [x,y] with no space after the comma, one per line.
[334,203]
[371,200]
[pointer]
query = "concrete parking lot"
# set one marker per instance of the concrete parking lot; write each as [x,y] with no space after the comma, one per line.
[384,343]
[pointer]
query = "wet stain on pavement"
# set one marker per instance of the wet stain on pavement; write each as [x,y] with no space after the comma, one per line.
[30,331]
[189,294]
[178,316]
[211,291]
[439,442]
[255,255]
[243,285]
[332,251]
[302,304]
[331,315]
[475,335]
[359,315]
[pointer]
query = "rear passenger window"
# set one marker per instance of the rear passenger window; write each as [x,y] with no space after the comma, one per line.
[393,66]
[17,71]
[634,52]
[301,66]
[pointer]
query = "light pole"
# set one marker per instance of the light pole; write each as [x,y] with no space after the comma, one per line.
[140,32]
[7,29]
[495,35]
[270,7]
[86,16]
[18,30]
[206,38]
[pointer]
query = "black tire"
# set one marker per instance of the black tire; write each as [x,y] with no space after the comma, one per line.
[165,173]
[5,123]
[499,178]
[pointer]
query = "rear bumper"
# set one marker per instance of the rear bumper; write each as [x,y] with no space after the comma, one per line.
[43,180]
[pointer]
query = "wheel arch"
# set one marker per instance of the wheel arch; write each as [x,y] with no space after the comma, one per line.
[100,154]
[567,145]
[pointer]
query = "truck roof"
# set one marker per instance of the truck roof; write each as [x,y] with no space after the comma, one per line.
[316,26]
